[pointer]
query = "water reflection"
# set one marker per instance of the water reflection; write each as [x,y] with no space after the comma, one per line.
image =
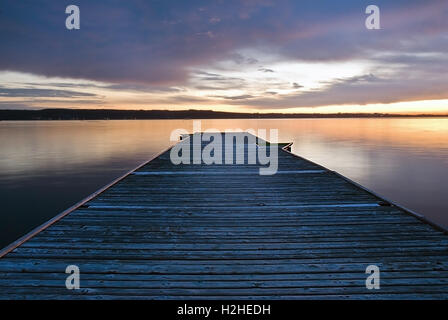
[47,166]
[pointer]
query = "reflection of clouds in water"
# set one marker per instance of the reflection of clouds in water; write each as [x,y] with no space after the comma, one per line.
[404,159]
[334,155]
[413,174]
[30,146]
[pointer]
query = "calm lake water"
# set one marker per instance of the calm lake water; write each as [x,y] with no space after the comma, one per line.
[47,166]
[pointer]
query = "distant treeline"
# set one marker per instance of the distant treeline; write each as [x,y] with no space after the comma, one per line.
[110,114]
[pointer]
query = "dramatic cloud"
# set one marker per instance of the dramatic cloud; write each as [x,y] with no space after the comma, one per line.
[229,52]
[360,90]
[25,92]
[241,97]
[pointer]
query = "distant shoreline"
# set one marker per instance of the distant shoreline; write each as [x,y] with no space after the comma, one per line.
[111,114]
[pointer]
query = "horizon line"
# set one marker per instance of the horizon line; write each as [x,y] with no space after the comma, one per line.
[124,114]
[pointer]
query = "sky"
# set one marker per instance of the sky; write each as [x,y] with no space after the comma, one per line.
[231,55]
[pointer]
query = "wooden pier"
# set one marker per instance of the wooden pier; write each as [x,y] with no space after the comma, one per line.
[199,231]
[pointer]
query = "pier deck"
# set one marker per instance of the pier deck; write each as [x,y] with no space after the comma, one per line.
[226,232]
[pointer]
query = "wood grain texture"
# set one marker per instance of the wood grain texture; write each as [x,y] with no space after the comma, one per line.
[201,231]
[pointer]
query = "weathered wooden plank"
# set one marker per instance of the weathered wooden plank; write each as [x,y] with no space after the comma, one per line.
[215,267]
[390,275]
[223,292]
[273,257]
[214,284]
[441,244]
[117,242]
[187,220]
[224,231]
[223,173]
[303,230]
[371,295]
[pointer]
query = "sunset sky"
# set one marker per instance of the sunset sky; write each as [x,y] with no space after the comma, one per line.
[240,56]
